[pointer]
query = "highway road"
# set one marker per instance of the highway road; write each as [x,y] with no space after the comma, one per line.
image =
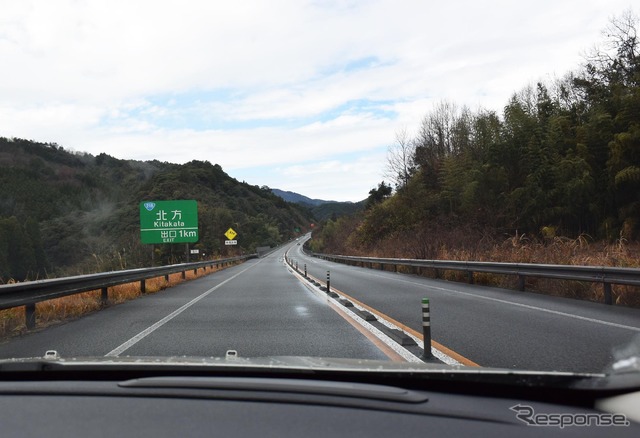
[260,308]
[257,308]
[489,326]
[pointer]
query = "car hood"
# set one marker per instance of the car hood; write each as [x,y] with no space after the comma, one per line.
[622,377]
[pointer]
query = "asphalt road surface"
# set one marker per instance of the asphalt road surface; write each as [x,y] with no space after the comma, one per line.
[489,326]
[257,308]
[260,309]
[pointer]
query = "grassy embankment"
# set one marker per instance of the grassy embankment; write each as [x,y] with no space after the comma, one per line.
[561,251]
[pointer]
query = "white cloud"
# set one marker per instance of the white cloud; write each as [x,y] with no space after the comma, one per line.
[326,179]
[250,83]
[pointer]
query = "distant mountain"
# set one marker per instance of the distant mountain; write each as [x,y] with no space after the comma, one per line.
[320,209]
[332,210]
[297,198]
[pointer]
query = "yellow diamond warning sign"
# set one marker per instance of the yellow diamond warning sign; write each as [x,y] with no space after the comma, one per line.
[230,234]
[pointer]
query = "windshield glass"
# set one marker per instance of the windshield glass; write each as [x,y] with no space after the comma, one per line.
[340,180]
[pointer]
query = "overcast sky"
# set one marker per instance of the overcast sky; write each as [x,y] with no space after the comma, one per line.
[299,95]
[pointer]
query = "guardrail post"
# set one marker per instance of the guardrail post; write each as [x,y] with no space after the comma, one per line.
[470,276]
[143,287]
[426,329]
[30,315]
[608,298]
[104,296]
[328,281]
[166,278]
[521,279]
[305,270]
[382,266]
[195,271]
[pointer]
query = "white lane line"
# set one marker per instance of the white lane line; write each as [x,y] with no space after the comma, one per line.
[396,347]
[526,306]
[403,352]
[399,349]
[146,332]
[434,351]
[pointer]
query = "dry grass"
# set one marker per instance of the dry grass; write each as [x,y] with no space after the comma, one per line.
[563,251]
[468,246]
[12,321]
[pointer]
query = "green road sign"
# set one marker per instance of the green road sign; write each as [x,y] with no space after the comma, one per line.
[169,221]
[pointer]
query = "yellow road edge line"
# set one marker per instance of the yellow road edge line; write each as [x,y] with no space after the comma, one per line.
[457,356]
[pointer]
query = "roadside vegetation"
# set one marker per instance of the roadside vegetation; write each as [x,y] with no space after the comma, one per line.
[554,178]
[67,213]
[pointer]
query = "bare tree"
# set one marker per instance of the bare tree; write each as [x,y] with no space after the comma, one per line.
[400,163]
[618,58]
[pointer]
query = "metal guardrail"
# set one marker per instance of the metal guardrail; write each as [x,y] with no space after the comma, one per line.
[595,274]
[29,293]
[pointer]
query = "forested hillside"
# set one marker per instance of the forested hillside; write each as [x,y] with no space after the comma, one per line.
[63,212]
[562,160]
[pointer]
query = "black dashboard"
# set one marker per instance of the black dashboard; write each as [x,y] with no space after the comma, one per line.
[231,406]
